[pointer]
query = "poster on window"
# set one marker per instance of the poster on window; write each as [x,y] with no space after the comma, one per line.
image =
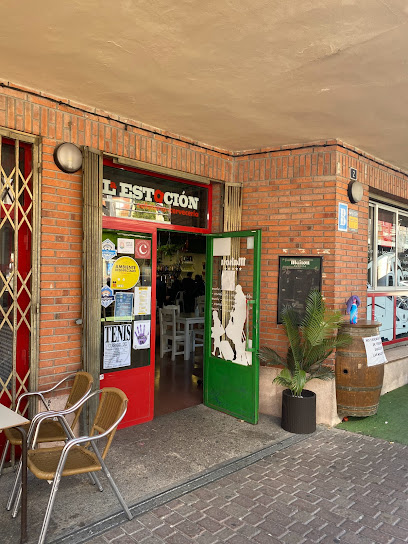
[228,280]
[123,305]
[141,334]
[117,345]
[125,273]
[143,297]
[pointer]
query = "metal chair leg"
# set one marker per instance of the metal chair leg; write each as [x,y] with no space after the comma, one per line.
[14,489]
[50,506]
[96,481]
[116,491]
[17,502]
[3,457]
[112,483]
[51,500]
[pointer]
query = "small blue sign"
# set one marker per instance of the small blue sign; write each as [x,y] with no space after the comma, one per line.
[343,217]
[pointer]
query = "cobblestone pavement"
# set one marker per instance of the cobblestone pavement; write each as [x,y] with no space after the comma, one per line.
[333,486]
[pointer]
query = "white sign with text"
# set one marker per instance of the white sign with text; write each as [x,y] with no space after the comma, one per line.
[374,350]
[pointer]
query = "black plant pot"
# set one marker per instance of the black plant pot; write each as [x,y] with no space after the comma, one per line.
[299,413]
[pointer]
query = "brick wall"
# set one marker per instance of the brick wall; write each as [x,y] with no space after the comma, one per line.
[292,194]
[61,228]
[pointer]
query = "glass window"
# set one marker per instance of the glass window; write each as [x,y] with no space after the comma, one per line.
[402,261]
[370,248]
[387,270]
[125,300]
[386,248]
[384,313]
[144,196]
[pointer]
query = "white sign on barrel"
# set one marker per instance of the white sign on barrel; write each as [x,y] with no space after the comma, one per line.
[374,350]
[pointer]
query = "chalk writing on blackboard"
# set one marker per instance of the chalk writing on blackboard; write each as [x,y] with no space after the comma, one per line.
[297,277]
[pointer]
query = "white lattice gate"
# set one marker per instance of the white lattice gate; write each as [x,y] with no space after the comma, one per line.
[19,264]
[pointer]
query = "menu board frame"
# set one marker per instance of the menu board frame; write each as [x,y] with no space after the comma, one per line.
[298,275]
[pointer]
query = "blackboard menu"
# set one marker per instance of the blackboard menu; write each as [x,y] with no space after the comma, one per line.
[297,277]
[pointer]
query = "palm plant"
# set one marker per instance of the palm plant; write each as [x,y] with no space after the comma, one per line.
[310,344]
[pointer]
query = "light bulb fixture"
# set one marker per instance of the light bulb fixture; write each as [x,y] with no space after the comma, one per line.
[68,157]
[355,191]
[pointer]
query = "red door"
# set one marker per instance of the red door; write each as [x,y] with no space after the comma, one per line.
[128,314]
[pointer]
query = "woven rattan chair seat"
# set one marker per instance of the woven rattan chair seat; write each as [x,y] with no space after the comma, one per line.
[50,431]
[43,462]
[14,436]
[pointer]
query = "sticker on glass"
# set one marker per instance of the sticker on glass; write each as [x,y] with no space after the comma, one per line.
[126,245]
[141,334]
[107,296]
[228,280]
[221,247]
[125,273]
[142,249]
[108,250]
[229,343]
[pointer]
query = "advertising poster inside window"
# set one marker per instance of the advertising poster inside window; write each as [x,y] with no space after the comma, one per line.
[116,345]
[141,334]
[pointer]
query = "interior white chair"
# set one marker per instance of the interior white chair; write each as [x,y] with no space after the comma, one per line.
[179,300]
[200,304]
[198,339]
[171,337]
[198,330]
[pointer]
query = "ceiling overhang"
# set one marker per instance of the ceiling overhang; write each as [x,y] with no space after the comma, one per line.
[237,76]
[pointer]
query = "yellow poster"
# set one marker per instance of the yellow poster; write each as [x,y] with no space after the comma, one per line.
[125,273]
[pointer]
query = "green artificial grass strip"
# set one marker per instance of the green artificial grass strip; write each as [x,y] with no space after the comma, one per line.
[389,423]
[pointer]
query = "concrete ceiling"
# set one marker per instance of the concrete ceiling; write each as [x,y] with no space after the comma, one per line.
[234,74]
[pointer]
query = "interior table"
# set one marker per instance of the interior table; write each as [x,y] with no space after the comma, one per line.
[188,320]
[8,419]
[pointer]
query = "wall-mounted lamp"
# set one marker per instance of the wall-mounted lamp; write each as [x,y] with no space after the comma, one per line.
[68,157]
[355,191]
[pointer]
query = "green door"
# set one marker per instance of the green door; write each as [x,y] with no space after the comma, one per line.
[231,368]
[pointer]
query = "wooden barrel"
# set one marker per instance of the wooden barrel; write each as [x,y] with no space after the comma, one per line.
[358,386]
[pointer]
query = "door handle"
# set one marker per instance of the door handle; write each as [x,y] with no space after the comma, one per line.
[247,348]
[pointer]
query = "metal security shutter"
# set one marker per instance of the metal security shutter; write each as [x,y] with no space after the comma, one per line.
[19,264]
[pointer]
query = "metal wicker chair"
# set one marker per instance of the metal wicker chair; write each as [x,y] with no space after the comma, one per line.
[80,455]
[52,431]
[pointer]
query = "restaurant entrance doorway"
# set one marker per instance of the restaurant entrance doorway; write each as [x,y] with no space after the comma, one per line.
[152,298]
[180,290]
[147,276]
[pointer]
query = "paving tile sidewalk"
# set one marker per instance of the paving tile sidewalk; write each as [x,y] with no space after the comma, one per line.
[332,487]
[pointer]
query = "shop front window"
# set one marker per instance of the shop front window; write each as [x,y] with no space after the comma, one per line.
[386,248]
[387,270]
[402,279]
[133,194]
[370,247]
